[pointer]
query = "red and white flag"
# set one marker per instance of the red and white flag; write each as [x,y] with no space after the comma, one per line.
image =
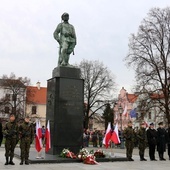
[38,140]
[115,135]
[125,111]
[47,137]
[107,137]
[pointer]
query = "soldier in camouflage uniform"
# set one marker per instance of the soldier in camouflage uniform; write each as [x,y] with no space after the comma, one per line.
[142,141]
[26,133]
[129,136]
[11,133]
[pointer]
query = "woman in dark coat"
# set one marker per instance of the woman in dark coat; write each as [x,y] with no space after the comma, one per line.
[161,141]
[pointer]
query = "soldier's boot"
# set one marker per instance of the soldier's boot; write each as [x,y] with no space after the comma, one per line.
[11,161]
[22,161]
[141,158]
[26,162]
[7,160]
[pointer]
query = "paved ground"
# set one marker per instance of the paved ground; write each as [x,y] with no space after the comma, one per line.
[136,165]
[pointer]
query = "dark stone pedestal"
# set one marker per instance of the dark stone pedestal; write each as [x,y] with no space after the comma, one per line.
[65,98]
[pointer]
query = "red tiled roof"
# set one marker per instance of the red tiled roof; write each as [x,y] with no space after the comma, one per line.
[157,96]
[38,95]
[132,98]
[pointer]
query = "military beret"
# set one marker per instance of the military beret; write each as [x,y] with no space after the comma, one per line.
[151,124]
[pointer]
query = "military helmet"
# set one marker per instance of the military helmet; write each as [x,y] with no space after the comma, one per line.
[64,14]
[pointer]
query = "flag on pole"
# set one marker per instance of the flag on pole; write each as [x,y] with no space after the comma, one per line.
[107,136]
[47,137]
[125,111]
[133,113]
[38,140]
[115,135]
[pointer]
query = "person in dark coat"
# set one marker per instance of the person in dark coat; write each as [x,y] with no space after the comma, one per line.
[94,139]
[152,140]
[168,137]
[1,133]
[161,141]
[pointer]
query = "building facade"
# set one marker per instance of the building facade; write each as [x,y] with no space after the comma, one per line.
[36,103]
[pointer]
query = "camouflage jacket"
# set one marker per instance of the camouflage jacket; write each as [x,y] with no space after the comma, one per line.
[129,134]
[26,130]
[10,130]
[141,135]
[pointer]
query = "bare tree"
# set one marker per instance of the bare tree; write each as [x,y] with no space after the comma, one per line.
[99,86]
[149,56]
[15,94]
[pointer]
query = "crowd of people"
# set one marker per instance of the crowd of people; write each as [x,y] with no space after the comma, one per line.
[95,137]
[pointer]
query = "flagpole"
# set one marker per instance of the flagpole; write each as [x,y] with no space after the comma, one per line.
[111,149]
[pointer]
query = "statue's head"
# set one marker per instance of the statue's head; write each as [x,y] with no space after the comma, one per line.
[65,16]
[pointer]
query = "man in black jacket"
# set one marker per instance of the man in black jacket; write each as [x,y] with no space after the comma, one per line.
[152,140]
[161,141]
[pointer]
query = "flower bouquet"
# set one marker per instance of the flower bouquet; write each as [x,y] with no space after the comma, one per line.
[86,157]
[90,159]
[83,153]
[99,154]
[66,153]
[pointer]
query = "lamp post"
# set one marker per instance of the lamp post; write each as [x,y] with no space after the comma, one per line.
[121,136]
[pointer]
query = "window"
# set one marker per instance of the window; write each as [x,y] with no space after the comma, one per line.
[7,97]
[149,115]
[142,116]
[14,97]
[34,109]
[6,109]
[14,110]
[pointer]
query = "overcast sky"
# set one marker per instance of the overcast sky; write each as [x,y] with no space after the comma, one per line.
[28,49]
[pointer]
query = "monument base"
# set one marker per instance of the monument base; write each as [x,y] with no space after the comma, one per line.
[65,103]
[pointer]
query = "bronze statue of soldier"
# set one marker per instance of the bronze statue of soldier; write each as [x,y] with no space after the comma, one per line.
[66,37]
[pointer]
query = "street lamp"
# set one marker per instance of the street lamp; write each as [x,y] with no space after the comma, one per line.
[121,136]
